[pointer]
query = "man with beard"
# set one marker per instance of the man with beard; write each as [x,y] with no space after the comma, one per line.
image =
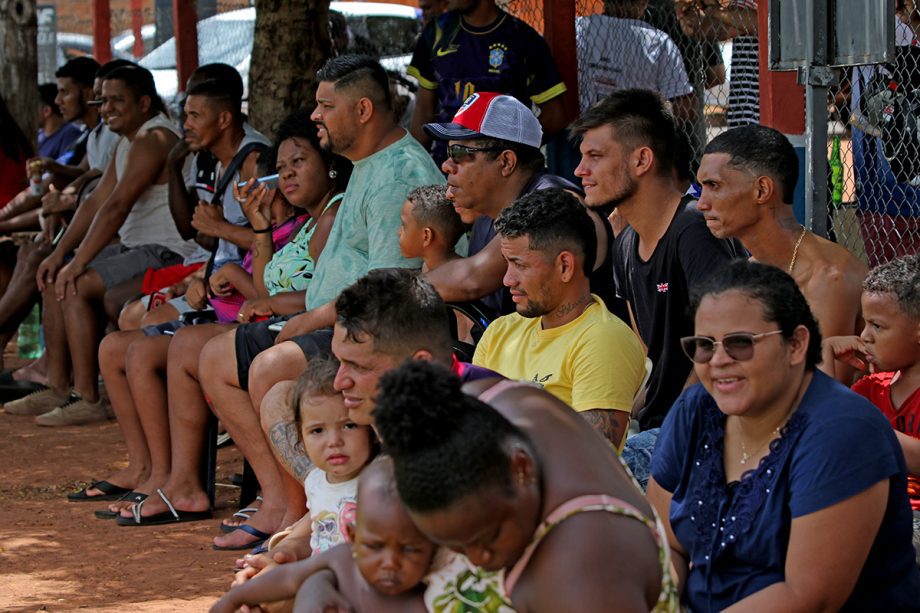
[354,118]
[627,164]
[494,158]
[562,337]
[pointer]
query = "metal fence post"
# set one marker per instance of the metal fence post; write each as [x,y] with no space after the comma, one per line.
[102,31]
[559,32]
[185,22]
[817,79]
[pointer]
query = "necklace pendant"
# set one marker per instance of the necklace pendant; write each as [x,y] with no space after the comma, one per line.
[744,458]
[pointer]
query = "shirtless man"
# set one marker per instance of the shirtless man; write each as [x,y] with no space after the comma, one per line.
[748,176]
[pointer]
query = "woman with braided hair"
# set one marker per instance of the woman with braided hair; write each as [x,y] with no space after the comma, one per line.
[525,486]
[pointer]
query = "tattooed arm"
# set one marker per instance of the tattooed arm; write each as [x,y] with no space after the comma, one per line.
[285,443]
[277,418]
[612,424]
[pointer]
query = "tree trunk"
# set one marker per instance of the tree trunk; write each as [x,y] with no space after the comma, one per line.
[290,44]
[19,62]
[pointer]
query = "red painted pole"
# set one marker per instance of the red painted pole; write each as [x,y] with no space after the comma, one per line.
[782,100]
[102,31]
[185,25]
[559,32]
[137,23]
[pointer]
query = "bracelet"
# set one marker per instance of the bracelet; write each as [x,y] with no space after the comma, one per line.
[263,230]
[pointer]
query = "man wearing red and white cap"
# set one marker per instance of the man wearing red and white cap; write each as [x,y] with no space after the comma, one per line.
[493,159]
[477,47]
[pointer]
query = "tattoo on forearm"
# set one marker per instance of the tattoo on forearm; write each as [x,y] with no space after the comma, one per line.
[606,421]
[285,442]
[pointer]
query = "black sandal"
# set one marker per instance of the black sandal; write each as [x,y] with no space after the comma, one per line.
[109,492]
[131,497]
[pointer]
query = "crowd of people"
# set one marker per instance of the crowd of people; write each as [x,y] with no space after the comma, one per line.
[464,382]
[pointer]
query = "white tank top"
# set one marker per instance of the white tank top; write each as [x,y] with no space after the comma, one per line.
[149,222]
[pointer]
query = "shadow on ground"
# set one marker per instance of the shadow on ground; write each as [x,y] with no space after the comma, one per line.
[56,556]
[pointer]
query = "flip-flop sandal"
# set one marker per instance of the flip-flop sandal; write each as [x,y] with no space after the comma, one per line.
[172,516]
[132,497]
[110,492]
[244,514]
[260,536]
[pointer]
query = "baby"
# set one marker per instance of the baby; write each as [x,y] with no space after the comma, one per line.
[380,570]
[429,227]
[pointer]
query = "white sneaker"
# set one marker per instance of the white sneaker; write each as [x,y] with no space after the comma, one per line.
[75,411]
[36,403]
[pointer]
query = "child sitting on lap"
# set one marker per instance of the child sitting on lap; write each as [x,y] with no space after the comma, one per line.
[429,227]
[339,449]
[381,569]
[890,347]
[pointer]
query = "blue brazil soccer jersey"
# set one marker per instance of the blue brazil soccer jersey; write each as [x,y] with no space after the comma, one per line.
[506,56]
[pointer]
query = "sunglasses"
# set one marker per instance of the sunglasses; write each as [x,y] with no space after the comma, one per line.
[461,153]
[739,346]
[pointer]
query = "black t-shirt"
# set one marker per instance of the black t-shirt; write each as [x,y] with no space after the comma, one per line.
[601,279]
[659,292]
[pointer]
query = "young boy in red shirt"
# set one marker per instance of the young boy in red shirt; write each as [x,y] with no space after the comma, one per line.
[889,347]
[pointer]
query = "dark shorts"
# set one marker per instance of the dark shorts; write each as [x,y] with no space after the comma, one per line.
[253,339]
[117,263]
[187,318]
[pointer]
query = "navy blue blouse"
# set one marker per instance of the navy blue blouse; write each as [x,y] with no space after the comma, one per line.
[834,446]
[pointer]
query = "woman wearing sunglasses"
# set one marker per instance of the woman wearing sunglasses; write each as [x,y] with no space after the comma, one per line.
[780,489]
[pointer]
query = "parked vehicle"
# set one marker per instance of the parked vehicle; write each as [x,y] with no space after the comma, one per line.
[391,29]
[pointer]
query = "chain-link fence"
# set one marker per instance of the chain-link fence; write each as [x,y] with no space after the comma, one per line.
[703,60]
[874,155]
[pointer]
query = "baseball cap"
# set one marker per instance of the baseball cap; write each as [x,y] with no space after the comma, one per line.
[491,115]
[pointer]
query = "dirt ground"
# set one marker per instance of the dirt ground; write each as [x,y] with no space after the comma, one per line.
[56,556]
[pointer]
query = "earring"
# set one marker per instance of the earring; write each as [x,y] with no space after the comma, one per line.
[332,173]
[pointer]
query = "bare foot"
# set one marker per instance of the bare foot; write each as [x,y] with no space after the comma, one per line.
[182,501]
[243,515]
[126,478]
[147,487]
[266,520]
[34,372]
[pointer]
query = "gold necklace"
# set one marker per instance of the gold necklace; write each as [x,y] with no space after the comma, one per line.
[745,456]
[795,250]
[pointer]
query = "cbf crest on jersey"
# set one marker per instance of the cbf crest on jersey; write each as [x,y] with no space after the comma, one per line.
[496,56]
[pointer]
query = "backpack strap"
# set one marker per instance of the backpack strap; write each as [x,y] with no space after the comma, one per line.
[232,167]
[221,187]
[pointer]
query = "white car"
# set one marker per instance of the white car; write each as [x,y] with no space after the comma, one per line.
[123,43]
[227,37]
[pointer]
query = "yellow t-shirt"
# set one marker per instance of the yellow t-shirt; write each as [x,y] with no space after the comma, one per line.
[593,362]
